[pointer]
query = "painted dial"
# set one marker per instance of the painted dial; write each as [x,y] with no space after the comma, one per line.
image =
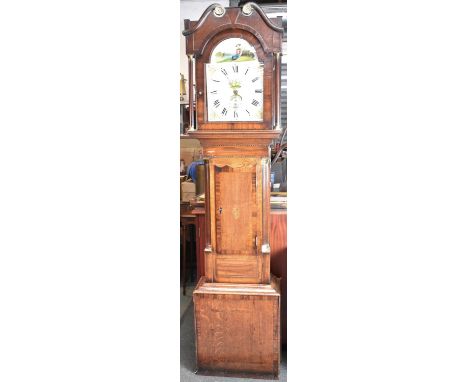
[234,91]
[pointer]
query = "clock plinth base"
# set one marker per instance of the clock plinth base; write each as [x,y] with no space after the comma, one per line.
[237,328]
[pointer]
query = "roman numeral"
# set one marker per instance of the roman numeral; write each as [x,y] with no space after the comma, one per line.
[216,81]
[235,114]
[258,91]
[235,68]
[224,71]
[255,79]
[216,103]
[248,112]
[255,102]
[246,71]
[224,112]
[216,92]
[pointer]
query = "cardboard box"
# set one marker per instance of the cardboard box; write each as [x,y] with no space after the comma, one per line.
[188,187]
[188,196]
[187,191]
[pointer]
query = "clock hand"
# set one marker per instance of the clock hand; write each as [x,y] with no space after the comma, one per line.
[235,95]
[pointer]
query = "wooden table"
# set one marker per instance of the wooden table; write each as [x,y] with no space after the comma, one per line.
[186,220]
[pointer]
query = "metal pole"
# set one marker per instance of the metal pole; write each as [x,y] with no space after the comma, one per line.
[191,113]
[278,90]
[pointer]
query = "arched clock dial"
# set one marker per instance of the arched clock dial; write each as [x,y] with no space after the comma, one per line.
[234,91]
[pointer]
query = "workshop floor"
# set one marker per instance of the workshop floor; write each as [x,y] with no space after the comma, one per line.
[186,300]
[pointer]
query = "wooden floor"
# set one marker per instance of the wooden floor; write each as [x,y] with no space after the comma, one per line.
[187,355]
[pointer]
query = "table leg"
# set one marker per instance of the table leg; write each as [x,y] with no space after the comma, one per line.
[184,258]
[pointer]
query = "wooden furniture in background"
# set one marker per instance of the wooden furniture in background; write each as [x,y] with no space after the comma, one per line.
[279,251]
[187,220]
[199,212]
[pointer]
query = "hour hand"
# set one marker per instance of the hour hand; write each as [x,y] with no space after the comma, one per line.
[236,96]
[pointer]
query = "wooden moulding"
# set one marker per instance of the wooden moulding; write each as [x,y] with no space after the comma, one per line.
[251,143]
[237,329]
[267,30]
[236,136]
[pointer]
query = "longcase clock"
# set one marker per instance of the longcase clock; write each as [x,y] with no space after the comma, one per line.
[234,62]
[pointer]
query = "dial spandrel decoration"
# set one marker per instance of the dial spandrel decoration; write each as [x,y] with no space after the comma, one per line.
[234,83]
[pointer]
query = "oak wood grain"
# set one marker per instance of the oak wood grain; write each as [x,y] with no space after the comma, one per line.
[237,327]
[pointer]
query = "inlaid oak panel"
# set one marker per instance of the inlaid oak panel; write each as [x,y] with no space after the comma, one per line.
[236,210]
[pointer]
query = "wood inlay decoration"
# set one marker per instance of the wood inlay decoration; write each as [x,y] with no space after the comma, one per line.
[236,210]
